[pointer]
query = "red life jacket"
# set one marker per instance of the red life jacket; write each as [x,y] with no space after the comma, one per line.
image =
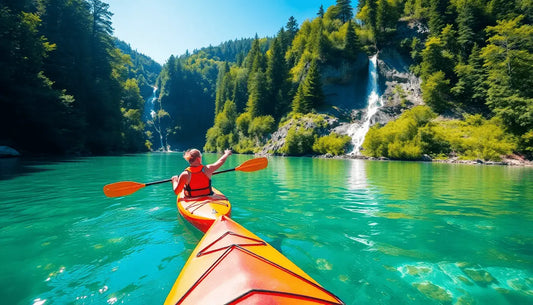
[200,184]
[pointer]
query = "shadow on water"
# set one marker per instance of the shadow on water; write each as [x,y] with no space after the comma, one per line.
[11,168]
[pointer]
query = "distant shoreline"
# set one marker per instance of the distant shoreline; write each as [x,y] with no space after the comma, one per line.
[508,161]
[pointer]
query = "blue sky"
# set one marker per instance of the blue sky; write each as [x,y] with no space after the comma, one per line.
[160,28]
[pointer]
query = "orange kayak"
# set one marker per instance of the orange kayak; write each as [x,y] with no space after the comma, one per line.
[201,212]
[231,265]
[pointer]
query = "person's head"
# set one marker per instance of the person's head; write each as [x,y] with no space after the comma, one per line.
[192,155]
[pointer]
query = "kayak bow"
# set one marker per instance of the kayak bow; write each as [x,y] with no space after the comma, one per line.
[231,265]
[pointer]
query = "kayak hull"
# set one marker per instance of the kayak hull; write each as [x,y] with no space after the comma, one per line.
[201,212]
[231,265]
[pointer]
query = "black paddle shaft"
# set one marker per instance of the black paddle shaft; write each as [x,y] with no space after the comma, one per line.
[168,180]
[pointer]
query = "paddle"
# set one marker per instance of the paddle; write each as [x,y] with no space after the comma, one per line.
[125,188]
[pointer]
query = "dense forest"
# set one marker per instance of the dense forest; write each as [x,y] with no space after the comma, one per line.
[69,86]
[66,87]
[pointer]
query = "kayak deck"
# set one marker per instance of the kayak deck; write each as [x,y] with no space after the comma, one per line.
[231,265]
[202,211]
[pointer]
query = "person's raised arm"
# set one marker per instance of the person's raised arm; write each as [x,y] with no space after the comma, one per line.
[214,166]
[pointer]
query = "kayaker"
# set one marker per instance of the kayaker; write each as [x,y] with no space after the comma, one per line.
[196,179]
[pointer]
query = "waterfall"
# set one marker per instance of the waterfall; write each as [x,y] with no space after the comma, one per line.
[357,131]
[150,116]
[149,106]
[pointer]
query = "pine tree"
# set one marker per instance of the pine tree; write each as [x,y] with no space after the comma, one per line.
[372,8]
[344,10]
[351,43]
[310,95]
[292,28]
[503,9]
[277,75]
[298,99]
[382,15]
[257,98]
[319,43]
[437,15]
[470,24]
[252,54]
[470,88]
[321,11]
[240,90]
[221,94]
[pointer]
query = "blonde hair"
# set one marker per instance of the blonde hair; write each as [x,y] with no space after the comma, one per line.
[192,155]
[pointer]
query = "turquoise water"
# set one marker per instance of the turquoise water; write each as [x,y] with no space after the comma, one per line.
[372,232]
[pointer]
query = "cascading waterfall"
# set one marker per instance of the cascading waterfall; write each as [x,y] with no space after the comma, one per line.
[357,131]
[149,106]
[150,115]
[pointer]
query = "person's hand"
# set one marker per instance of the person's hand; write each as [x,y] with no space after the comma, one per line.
[175,179]
[227,152]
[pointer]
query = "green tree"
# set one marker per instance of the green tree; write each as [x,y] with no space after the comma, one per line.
[416,8]
[223,88]
[469,24]
[351,43]
[319,44]
[132,130]
[471,87]
[503,9]
[277,76]
[291,27]
[253,54]
[508,59]
[240,89]
[387,15]
[299,141]
[333,143]
[437,15]
[320,11]
[436,91]
[260,127]
[368,13]
[344,10]
[436,57]
[258,97]
[310,95]
[243,123]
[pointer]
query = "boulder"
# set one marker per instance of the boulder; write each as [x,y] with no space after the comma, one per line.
[6,152]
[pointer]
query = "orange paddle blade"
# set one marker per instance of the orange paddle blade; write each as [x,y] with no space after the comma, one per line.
[253,165]
[122,188]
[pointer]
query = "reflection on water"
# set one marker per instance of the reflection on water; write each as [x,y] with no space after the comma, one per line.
[371,232]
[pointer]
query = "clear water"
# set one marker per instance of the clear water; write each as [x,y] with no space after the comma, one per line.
[372,232]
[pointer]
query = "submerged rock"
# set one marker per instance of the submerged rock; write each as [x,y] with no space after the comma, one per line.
[434,292]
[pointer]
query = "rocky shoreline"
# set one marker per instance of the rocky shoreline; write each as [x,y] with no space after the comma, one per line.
[513,160]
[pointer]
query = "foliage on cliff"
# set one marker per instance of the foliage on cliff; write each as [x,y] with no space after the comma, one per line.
[269,87]
[474,59]
[417,133]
